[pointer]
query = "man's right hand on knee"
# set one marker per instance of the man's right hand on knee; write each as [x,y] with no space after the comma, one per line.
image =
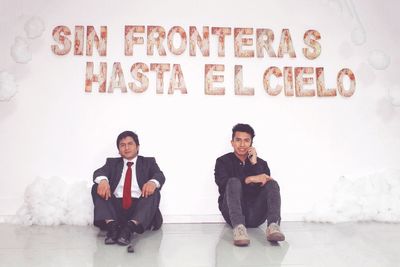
[103,189]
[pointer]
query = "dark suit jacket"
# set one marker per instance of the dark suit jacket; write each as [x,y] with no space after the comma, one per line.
[146,169]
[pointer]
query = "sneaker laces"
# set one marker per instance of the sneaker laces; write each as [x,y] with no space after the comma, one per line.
[241,230]
[273,227]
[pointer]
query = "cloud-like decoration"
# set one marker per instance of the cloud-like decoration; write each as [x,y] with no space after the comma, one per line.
[54,201]
[378,60]
[375,197]
[34,27]
[20,50]
[8,87]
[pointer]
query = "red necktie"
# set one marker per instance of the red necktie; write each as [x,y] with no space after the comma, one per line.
[126,196]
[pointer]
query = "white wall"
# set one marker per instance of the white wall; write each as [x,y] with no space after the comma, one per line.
[53,128]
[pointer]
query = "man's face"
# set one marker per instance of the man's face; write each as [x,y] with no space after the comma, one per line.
[128,148]
[241,143]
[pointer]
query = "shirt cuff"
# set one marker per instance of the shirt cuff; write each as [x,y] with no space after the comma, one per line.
[99,178]
[156,182]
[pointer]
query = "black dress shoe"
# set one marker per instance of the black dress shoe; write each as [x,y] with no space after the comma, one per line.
[112,233]
[126,234]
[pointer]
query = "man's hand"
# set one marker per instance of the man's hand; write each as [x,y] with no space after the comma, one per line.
[252,155]
[103,189]
[148,189]
[262,179]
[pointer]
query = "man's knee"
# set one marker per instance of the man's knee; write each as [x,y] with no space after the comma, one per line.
[94,192]
[155,196]
[272,185]
[234,183]
[97,199]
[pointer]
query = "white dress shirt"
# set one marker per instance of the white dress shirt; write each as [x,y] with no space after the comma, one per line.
[135,189]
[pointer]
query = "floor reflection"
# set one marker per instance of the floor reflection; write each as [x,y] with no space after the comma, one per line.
[204,245]
[146,246]
[260,252]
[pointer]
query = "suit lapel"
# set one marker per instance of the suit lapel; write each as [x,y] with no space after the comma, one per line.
[118,171]
[139,171]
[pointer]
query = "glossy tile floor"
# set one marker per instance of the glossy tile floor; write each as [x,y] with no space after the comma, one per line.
[208,245]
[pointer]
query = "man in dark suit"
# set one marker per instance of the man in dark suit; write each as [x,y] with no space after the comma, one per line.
[126,192]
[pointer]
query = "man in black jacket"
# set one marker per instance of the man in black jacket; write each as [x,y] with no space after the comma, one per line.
[126,192]
[248,194]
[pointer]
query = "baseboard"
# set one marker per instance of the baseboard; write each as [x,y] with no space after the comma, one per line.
[6,218]
[217,218]
[177,218]
[208,218]
[10,205]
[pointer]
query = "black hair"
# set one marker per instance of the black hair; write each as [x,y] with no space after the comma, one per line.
[126,134]
[241,127]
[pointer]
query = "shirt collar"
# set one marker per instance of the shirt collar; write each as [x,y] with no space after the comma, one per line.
[246,162]
[132,160]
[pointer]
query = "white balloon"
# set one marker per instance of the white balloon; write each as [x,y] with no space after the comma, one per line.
[394,95]
[8,87]
[378,60]
[34,27]
[358,36]
[20,50]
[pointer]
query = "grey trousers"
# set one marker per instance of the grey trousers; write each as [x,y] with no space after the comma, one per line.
[142,209]
[264,204]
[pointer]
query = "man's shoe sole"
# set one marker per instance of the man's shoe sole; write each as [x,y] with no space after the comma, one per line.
[241,243]
[275,237]
[109,241]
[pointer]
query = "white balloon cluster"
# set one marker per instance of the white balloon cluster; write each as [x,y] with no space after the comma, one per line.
[374,197]
[20,52]
[55,201]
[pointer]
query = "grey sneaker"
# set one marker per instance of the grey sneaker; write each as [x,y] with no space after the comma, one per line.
[240,237]
[274,233]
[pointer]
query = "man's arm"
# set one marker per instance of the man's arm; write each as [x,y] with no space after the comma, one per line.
[261,173]
[100,176]
[157,179]
[104,171]
[156,173]
[221,173]
[262,179]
